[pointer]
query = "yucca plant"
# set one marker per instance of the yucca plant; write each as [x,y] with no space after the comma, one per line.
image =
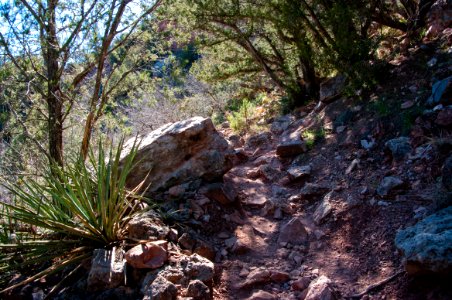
[72,211]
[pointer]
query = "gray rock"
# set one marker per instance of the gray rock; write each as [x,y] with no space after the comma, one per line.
[173,274]
[310,190]
[297,172]
[119,293]
[147,225]
[198,290]
[400,147]
[291,147]
[439,88]
[107,269]
[179,153]
[331,88]
[447,174]
[352,166]
[324,209]
[293,232]
[160,289]
[340,129]
[368,145]
[198,267]
[262,140]
[320,289]
[388,184]
[427,246]
[268,172]
[281,124]
[230,242]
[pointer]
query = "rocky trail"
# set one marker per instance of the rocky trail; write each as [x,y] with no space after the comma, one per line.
[319,223]
[359,208]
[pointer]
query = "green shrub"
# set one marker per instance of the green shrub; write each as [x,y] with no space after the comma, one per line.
[240,121]
[74,210]
[311,137]
[381,107]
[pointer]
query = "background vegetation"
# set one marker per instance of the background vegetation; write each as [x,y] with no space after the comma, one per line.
[75,72]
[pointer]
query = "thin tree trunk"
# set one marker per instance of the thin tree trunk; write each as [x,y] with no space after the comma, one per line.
[54,101]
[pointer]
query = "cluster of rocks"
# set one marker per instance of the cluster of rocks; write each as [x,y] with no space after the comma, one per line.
[190,161]
[184,160]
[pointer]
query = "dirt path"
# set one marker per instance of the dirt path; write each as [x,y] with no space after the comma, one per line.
[352,245]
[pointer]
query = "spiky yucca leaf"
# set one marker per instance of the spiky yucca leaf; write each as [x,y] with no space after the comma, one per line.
[85,203]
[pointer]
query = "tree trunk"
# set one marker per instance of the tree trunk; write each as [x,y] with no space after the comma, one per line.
[54,101]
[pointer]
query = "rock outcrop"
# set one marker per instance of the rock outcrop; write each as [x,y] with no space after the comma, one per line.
[331,88]
[427,246]
[178,153]
[107,270]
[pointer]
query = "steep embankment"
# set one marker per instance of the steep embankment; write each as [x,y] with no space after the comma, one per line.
[329,216]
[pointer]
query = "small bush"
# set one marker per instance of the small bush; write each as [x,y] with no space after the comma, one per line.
[313,136]
[240,121]
[381,107]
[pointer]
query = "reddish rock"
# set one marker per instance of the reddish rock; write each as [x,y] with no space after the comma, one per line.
[222,193]
[205,250]
[301,284]
[186,241]
[257,276]
[293,232]
[151,255]
[278,276]
[246,239]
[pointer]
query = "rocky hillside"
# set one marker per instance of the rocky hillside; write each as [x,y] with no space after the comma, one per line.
[347,198]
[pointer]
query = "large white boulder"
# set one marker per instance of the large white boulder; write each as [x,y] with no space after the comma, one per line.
[178,153]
